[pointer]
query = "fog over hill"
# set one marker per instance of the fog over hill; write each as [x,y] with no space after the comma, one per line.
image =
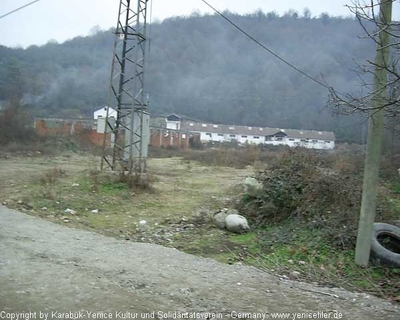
[202,67]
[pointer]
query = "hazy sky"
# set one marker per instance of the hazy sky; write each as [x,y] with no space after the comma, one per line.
[65,19]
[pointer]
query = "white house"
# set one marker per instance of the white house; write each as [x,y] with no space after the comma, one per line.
[254,135]
[173,122]
[102,113]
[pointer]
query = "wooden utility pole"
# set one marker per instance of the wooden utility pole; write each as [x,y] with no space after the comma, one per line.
[374,140]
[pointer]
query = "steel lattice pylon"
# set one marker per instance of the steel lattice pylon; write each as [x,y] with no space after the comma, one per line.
[129,131]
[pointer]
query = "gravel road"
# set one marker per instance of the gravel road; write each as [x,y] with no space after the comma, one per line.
[49,269]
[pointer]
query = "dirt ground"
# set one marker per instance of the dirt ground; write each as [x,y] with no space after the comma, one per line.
[46,267]
[175,192]
[179,190]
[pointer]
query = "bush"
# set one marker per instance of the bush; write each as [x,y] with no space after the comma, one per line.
[388,170]
[304,186]
[15,126]
[195,143]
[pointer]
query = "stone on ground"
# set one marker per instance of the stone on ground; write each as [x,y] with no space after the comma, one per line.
[219,220]
[236,223]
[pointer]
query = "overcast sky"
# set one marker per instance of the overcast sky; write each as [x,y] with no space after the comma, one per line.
[64,19]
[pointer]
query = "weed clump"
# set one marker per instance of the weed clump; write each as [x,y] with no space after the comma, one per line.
[134,181]
[51,176]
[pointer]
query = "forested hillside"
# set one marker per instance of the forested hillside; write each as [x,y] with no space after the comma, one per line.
[202,67]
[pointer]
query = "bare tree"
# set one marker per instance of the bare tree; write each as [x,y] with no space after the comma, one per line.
[368,17]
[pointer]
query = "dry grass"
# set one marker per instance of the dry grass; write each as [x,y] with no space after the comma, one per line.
[177,190]
[51,176]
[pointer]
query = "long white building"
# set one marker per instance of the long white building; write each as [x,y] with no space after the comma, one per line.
[253,135]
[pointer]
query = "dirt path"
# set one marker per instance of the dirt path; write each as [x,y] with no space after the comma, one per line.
[47,267]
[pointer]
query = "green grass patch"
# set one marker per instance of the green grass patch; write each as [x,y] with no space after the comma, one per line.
[316,260]
[112,187]
[291,247]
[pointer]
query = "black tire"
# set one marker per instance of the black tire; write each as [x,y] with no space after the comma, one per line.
[388,255]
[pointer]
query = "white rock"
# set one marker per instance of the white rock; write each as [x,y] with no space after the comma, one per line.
[142,222]
[219,220]
[95,211]
[68,210]
[236,223]
[252,183]
[75,185]
[44,208]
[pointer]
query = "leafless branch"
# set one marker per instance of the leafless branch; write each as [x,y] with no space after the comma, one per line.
[366,14]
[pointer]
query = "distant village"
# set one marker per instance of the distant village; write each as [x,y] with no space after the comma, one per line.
[177,131]
[253,135]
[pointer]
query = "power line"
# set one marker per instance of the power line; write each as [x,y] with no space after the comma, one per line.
[15,10]
[267,49]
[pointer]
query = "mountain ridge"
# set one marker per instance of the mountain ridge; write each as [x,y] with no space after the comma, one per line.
[203,67]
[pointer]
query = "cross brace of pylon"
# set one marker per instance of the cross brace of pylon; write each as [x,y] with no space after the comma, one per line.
[127,131]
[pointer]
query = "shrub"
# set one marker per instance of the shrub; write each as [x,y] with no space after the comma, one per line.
[15,126]
[302,185]
[195,143]
[388,170]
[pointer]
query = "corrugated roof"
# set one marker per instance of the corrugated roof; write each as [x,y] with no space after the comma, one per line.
[182,117]
[310,134]
[255,131]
